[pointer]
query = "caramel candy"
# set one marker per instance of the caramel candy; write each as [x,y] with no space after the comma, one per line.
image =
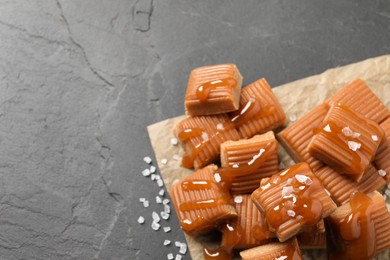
[201,204]
[248,230]
[341,187]
[292,201]
[260,110]
[360,228]
[296,137]
[274,251]
[382,158]
[213,90]
[201,137]
[313,238]
[243,152]
[359,97]
[344,141]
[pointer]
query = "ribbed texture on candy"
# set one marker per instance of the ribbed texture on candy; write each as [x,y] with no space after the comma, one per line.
[272,251]
[204,219]
[261,124]
[296,137]
[382,158]
[211,149]
[312,240]
[360,98]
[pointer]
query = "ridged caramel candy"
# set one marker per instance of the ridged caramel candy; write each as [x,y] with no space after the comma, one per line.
[201,137]
[360,98]
[314,238]
[293,200]
[344,141]
[201,204]
[275,250]
[213,90]
[242,152]
[249,229]
[382,157]
[260,110]
[360,228]
[296,137]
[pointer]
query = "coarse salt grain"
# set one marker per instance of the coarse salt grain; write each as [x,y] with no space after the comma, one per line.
[164,161]
[158,200]
[238,199]
[167,229]
[146,203]
[286,191]
[177,243]
[176,157]
[141,220]
[158,177]
[166,201]
[155,226]
[161,192]
[347,131]
[382,172]
[146,172]
[187,221]
[167,242]
[217,177]
[220,126]
[374,138]
[152,169]
[156,217]
[205,136]
[327,128]
[264,187]
[276,208]
[147,159]
[230,227]
[174,141]
[183,248]
[164,215]
[167,209]
[160,183]
[283,257]
[142,199]
[301,178]
[178,257]
[235,166]
[153,176]
[291,213]
[170,256]
[354,146]
[293,118]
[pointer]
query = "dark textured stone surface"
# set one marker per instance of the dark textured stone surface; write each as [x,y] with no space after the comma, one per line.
[80,81]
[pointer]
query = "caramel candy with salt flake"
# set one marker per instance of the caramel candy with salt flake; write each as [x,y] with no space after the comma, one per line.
[201,137]
[243,152]
[213,90]
[296,137]
[274,251]
[201,204]
[360,98]
[344,141]
[260,110]
[361,228]
[293,200]
[249,229]
[382,157]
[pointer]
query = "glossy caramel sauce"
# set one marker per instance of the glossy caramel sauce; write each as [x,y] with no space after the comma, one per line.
[229,173]
[251,109]
[357,230]
[333,130]
[295,200]
[217,254]
[292,252]
[203,91]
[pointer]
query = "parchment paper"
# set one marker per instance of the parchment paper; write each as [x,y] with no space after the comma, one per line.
[296,98]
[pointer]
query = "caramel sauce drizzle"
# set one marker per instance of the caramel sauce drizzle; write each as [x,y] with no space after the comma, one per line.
[357,229]
[334,132]
[296,198]
[203,91]
[251,109]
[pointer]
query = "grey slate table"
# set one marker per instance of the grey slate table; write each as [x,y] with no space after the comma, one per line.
[81,80]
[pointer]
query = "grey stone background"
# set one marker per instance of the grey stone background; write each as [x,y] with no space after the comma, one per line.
[81,80]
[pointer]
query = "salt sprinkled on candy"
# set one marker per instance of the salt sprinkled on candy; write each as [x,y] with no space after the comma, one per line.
[147,159]
[283,257]
[374,138]
[220,126]
[174,141]
[141,220]
[347,131]
[276,208]
[286,191]
[217,177]
[354,146]
[187,221]
[167,242]
[205,136]
[327,128]
[264,187]
[229,227]
[382,173]
[167,229]
[235,166]
[301,178]
[291,213]
[238,199]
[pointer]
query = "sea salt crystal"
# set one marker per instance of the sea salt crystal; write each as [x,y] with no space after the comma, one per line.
[276,208]
[217,177]
[167,229]
[374,138]
[291,213]
[174,141]
[164,215]
[177,243]
[264,187]
[141,220]
[205,136]
[167,242]
[382,173]
[158,177]
[155,226]
[146,172]
[235,166]
[164,161]
[354,146]
[347,131]
[283,257]
[293,118]
[146,203]
[286,191]
[176,157]
[170,256]
[156,217]
[230,227]
[187,221]
[161,192]
[166,201]
[327,128]
[153,176]
[238,199]
[301,187]
[183,248]
[178,257]
[147,159]
[142,200]
[152,169]
[301,178]
[220,126]
[167,209]
[160,183]
[158,200]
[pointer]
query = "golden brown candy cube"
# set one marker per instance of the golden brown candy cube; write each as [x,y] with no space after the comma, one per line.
[201,137]
[382,157]
[260,110]
[292,201]
[201,204]
[344,141]
[361,228]
[213,90]
[242,152]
